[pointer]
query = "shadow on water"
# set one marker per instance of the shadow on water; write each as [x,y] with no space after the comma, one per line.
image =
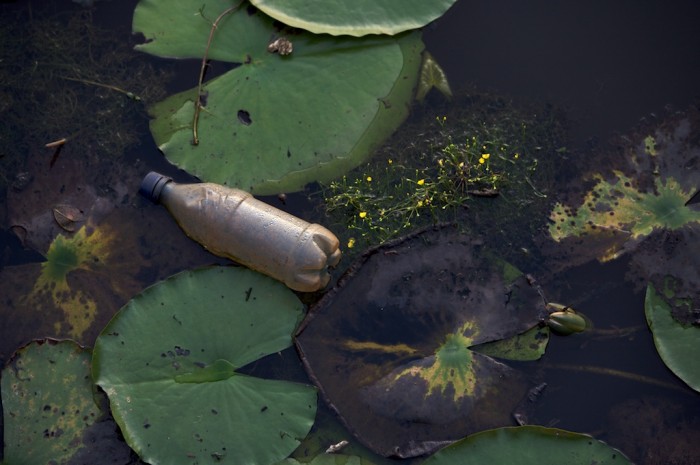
[609,64]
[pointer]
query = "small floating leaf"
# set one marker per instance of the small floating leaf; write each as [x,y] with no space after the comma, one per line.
[68,216]
[432,75]
[527,346]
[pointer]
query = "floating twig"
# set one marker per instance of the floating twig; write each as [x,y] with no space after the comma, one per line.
[56,143]
[619,374]
[198,101]
[131,95]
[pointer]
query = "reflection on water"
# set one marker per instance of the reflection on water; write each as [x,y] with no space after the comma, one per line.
[609,64]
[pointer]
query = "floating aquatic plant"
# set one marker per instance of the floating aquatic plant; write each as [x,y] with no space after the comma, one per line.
[276,121]
[170,364]
[651,192]
[528,445]
[47,399]
[394,348]
[353,17]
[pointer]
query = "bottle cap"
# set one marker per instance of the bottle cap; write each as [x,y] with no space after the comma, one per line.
[152,185]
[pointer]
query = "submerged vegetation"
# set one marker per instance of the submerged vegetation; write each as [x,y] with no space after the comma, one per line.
[479,163]
[86,86]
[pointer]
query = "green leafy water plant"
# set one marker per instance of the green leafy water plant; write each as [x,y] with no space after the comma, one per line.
[481,157]
[355,18]
[275,122]
[169,363]
[677,342]
[528,445]
[394,347]
[47,399]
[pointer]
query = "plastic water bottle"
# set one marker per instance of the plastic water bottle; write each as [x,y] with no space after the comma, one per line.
[232,223]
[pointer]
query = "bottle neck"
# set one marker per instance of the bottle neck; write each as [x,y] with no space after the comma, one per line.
[153,184]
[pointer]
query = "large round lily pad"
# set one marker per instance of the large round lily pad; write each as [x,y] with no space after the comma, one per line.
[391,346]
[355,17]
[528,445]
[276,122]
[169,364]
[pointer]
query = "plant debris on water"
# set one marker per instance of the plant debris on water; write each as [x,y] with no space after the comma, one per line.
[480,160]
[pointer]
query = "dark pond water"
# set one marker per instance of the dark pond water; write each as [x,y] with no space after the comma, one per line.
[608,65]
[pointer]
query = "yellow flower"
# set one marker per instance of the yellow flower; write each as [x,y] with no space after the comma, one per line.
[440,162]
[369,178]
[363,214]
[485,156]
[482,161]
[390,161]
[351,243]
[421,182]
[419,204]
[516,156]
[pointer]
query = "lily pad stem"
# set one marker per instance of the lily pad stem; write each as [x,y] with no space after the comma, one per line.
[198,101]
[619,374]
[131,95]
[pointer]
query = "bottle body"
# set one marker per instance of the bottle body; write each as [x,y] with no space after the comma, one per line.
[232,223]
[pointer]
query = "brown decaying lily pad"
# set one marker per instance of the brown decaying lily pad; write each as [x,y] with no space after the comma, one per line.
[389,346]
[102,243]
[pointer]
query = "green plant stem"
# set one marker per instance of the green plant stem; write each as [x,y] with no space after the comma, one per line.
[131,95]
[618,374]
[198,101]
[612,333]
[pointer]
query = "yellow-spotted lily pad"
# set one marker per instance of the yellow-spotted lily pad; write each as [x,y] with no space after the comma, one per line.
[48,404]
[392,347]
[651,192]
[84,279]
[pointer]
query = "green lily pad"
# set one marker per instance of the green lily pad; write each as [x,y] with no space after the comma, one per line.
[169,362]
[355,18]
[392,346]
[528,445]
[677,342]
[276,122]
[331,459]
[47,399]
